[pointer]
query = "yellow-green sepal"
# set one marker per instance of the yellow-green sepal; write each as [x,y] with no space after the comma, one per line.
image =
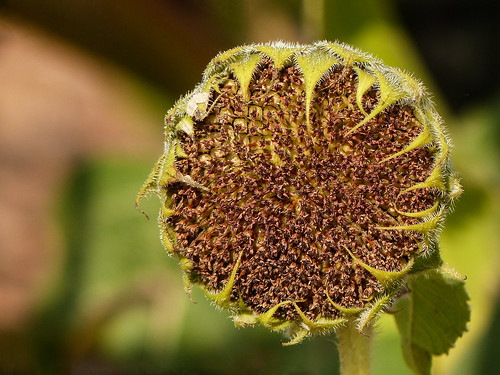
[168,237]
[268,320]
[222,60]
[385,278]
[320,324]
[389,94]
[350,56]
[222,298]
[345,310]
[314,65]
[245,317]
[280,53]
[297,333]
[163,173]
[424,138]
[373,311]
[151,184]
[420,214]
[301,330]
[435,180]
[365,81]
[186,266]
[243,70]
[424,227]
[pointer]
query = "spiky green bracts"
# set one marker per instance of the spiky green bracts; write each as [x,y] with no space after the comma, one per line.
[302,184]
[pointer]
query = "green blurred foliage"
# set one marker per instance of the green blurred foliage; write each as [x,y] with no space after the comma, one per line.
[118,306]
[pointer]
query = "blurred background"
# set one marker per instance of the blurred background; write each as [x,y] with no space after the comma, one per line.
[85,285]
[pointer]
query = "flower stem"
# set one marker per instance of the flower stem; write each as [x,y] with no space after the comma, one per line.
[354,349]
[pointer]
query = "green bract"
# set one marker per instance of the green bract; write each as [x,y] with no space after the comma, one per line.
[303,185]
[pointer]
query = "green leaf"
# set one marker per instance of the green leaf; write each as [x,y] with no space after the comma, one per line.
[431,317]
[426,262]
[418,359]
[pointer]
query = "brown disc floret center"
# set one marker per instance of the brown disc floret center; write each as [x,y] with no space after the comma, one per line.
[293,197]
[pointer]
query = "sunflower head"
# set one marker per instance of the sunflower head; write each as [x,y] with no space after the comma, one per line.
[301,184]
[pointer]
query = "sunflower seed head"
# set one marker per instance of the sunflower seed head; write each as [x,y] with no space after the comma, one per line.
[300,183]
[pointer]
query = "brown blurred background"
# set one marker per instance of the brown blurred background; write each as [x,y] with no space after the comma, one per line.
[85,286]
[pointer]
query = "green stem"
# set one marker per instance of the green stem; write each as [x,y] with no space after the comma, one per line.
[354,349]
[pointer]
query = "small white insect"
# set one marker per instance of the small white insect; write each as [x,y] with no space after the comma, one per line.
[186,125]
[197,105]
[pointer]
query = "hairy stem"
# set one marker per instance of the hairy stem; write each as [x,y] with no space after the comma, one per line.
[354,349]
